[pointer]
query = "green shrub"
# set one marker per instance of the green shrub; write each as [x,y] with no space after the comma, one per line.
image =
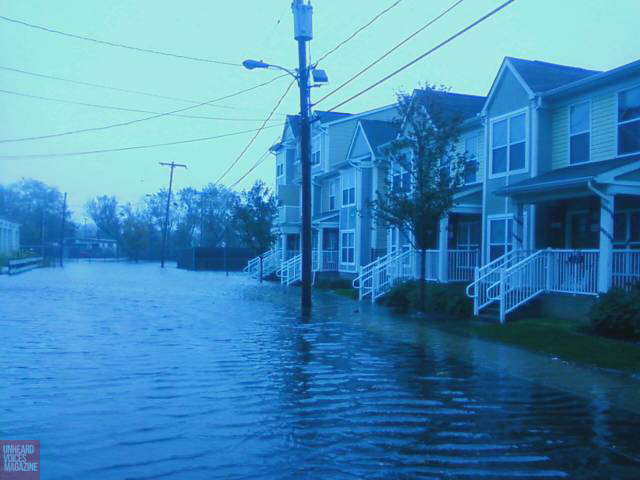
[617,314]
[449,299]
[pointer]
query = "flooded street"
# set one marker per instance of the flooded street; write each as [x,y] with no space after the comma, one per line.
[132,372]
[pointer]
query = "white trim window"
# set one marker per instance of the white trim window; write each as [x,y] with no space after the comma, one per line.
[468,235]
[348,247]
[500,236]
[509,145]
[332,195]
[471,168]
[626,229]
[629,121]
[279,170]
[315,150]
[579,132]
[348,179]
[400,179]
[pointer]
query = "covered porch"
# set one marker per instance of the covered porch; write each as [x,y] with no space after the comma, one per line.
[587,220]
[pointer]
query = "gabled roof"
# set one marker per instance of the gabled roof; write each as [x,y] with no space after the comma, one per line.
[379,132]
[542,76]
[452,104]
[326,117]
[573,176]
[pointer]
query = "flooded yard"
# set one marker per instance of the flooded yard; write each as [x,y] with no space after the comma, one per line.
[133,372]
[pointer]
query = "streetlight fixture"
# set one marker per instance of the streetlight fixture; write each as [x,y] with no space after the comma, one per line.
[302,27]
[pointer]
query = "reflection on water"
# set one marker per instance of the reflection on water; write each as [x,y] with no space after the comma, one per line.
[127,371]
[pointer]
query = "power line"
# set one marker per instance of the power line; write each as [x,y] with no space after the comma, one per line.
[115,89]
[257,163]
[123,109]
[369,23]
[115,44]
[135,147]
[428,52]
[244,150]
[137,120]
[421,29]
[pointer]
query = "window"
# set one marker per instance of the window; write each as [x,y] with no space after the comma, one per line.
[500,237]
[629,121]
[348,247]
[468,235]
[579,133]
[626,229]
[401,179]
[508,145]
[349,188]
[315,151]
[332,196]
[279,170]
[471,168]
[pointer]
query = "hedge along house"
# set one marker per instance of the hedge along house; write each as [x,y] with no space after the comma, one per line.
[9,236]
[455,251]
[561,206]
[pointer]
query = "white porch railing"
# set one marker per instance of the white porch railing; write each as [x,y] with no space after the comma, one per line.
[562,271]
[626,268]
[329,261]
[270,263]
[461,265]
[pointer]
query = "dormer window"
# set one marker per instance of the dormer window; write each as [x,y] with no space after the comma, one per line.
[279,170]
[579,133]
[629,121]
[509,142]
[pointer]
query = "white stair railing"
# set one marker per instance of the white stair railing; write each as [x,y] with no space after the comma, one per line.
[291,270]
[364,281]
[270,263]
[486,276]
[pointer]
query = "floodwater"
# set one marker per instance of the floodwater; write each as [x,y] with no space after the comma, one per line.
[132,372]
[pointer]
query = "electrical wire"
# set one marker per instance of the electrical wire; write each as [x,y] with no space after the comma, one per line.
[115,89]
[115,44]
[359,30]
[258,162]
[137,120]
[123,109]
[244,150]
[389,52]
[417,59]
[135,147]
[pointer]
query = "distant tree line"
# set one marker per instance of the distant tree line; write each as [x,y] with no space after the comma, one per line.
[210,217]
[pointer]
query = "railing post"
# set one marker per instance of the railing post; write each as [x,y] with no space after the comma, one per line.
[476,286]
[501,297]
[549,258]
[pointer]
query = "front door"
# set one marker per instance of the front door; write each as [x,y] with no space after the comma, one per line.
[582,231]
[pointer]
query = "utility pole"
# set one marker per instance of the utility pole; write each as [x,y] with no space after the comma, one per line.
[42,231]
[302,22]
[166,213]
[64,214]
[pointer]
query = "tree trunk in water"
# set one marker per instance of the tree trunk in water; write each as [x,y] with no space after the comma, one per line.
[423,276]
[260,268]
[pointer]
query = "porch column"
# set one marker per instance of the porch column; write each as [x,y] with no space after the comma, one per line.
[320,249]
[605,257]
[443,249]
[518,227]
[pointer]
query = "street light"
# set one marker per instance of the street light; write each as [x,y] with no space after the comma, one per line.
[302,27]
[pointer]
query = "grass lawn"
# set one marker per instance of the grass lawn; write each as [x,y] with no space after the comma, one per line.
[561,339]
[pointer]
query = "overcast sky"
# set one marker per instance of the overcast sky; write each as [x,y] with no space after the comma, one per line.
[597,34]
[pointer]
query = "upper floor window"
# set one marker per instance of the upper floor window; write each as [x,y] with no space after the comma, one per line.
[291,155]
[400,179]
[332,196]
[315,151]
[629,121]
[348,189]
[279,170]
[579,133]
[471,168]
[508,145]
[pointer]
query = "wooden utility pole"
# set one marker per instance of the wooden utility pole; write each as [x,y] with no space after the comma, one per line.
[166,214]
[64,214]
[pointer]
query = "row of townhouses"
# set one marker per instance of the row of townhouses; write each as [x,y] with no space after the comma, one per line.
[552,205]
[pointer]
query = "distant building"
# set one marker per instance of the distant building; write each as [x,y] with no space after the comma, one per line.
[91,247]
[9,236]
